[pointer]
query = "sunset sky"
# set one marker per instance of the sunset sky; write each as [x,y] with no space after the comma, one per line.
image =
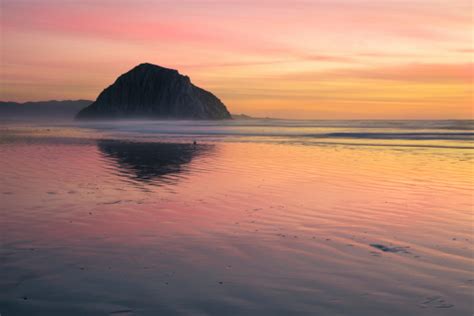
[325,59]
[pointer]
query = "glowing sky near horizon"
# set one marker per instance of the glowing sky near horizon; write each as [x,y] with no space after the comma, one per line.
[281,58]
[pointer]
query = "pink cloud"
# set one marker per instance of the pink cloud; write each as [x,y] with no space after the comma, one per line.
[422,73]
[417,72]
[118,25]
[83,45]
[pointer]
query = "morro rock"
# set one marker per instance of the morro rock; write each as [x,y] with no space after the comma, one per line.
[154,92]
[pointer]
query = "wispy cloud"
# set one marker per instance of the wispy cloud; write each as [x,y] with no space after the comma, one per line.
[253,53]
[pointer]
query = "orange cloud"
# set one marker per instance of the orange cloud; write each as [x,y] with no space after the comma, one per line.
[426,73]
[281,57]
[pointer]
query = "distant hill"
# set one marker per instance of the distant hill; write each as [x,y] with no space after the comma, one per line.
[242,117]
[154,92]
[53,109]
[248,117]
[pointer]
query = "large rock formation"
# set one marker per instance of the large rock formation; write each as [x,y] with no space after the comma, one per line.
[150,91]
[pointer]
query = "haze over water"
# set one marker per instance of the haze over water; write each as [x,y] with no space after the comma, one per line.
[260,217]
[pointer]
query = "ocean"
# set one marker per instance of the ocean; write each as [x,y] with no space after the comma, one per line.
[242,217]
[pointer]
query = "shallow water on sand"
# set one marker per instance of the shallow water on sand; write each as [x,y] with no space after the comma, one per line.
[273,220]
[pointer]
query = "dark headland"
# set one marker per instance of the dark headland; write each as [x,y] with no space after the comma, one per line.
[41,110]
[150,91]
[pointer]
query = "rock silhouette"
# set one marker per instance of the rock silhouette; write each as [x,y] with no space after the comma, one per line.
[151,91]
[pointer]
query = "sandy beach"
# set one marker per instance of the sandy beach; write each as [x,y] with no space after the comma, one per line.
[253,219]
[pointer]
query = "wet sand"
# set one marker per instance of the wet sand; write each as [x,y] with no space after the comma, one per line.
[95,224]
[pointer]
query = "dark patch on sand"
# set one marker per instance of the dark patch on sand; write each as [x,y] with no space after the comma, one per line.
[113,202]
[390,249]
[122,312]
[436,302]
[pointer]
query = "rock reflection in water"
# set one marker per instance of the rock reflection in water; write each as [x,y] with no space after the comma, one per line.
[151,162]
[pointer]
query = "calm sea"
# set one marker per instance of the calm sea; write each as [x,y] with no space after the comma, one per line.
[244,217]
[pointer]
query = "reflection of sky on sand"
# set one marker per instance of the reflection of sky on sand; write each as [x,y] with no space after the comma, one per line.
[286,228]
